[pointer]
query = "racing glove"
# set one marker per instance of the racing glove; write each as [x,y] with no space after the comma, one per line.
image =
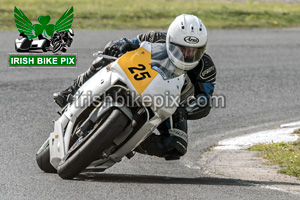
[117,48]
[112,49]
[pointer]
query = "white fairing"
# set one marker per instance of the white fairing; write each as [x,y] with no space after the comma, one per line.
[169,93]
[94,87]
[37,43]
[99,84]
[168,89]
[56,141]
[19,42]
[90,90]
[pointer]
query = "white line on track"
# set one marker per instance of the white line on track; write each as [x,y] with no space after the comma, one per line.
[282,134]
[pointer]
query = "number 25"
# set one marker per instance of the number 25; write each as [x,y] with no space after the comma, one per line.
[140,76]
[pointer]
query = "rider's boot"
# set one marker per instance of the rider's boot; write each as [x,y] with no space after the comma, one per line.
[170,148]
[61,97]
[171,143]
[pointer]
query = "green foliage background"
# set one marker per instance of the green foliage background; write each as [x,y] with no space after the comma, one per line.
[146,14]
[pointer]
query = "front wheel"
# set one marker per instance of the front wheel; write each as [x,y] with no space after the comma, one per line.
[89,148]
[56,47]
[43,159]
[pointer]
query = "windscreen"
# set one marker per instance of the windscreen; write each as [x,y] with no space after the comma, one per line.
[161,63]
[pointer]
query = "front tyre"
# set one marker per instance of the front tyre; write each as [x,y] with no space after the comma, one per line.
[56,47]
[77,159]
[43,159]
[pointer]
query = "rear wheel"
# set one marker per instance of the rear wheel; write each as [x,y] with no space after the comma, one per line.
[43,159]
[87,149]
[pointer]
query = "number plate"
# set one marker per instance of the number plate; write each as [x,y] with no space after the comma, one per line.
[137,66]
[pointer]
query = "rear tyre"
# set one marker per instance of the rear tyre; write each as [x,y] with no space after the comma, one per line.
[80,157]
[43,160]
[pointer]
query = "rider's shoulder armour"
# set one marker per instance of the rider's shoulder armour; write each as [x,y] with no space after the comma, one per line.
[205,70]
[153,37]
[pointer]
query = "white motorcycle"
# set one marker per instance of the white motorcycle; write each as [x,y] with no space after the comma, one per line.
[113,112]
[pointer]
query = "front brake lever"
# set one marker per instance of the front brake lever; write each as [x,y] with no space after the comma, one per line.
[101,54]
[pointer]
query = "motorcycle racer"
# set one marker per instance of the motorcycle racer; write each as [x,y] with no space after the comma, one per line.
[186,41]
[61,37]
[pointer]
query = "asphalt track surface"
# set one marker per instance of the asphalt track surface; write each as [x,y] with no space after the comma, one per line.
[258,73]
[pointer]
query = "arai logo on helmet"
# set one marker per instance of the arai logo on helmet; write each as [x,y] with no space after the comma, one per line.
[191,39]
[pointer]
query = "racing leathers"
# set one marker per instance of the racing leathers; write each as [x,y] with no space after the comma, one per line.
[172,141]
[62,37]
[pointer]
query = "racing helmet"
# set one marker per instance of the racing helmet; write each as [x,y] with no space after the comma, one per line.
[186,41]
[70,33]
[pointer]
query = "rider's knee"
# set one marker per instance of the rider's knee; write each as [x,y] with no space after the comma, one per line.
[170,147]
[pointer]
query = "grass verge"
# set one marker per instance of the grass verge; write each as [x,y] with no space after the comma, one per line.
[143,14]
[286,155]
